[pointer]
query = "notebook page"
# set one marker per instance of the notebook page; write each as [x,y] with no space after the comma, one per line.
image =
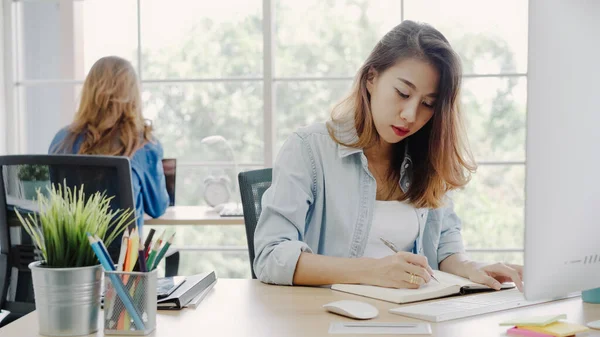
[452,279]
[430,290]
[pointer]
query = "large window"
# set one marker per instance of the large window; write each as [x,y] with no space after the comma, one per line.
[253,71]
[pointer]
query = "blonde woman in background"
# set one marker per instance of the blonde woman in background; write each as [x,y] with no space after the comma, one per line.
[109,121]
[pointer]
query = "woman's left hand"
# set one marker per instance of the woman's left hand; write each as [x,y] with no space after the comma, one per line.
[493,275]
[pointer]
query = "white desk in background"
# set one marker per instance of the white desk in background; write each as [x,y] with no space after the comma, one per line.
[193,215]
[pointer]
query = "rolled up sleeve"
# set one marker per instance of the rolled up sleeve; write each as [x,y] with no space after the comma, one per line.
[451,241]
[279,234]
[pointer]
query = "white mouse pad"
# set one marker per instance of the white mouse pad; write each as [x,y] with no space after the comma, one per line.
[380,328]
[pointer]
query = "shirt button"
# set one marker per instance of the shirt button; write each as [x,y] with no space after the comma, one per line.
[405,165]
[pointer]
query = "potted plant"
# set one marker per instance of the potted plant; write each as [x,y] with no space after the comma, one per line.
[67,282]
[33,178]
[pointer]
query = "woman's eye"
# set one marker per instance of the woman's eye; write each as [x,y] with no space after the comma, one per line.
[401,94]
[429,105]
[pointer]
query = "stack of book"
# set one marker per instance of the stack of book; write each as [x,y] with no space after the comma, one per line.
[184,291]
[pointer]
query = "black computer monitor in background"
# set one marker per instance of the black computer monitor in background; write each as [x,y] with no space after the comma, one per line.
[170,169]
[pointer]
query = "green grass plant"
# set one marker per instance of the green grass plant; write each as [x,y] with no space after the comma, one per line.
[66,215]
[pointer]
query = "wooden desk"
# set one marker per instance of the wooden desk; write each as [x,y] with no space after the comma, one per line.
[193,215]
[250,308]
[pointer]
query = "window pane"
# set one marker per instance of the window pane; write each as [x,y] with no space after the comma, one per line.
[495,111]
[303,103]
[190,186]
[62,39]
[206,235]
[491,207]
[329,38]
[490,36]
[44,110]
[200,39]
[183,114]
[109,28]
[231,264]
[225,264]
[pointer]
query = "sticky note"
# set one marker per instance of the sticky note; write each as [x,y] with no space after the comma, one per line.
[525,333]
[534,320]
[558,329]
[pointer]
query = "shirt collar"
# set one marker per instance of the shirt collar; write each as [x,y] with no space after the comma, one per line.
[345,133]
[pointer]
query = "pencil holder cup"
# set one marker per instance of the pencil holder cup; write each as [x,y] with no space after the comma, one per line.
[130,303]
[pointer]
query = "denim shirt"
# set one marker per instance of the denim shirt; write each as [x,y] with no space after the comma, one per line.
[148,178]
[321,201]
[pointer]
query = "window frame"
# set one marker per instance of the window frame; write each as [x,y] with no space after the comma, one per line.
[14,121]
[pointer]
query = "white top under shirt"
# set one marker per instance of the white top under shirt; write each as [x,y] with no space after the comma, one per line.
[394,221]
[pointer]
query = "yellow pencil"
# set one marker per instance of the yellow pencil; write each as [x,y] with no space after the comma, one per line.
[135,244]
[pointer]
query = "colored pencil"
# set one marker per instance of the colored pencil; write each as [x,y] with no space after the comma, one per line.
[117,284]
[123,251]
[163,251]
[148,242]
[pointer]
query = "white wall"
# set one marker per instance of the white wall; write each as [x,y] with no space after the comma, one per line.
[563,144]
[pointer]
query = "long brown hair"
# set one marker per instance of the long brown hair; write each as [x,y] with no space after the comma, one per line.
[109,117]
[439,151]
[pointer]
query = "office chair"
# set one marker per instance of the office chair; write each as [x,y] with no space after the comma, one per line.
[253,185]
[109,174]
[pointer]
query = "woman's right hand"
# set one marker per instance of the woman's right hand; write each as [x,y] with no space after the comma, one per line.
[395,271]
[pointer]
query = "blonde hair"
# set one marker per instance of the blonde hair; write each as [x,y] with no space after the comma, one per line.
[439,151]
[109,117]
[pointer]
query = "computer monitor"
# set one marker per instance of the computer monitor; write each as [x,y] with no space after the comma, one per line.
[562,207]
[170,169]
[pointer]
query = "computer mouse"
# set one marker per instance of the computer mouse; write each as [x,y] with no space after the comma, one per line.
[594,325]
[352,309]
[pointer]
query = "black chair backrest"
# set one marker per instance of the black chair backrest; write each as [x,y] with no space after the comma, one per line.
[253,185]
[20,174]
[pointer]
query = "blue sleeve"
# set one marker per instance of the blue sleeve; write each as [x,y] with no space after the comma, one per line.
[281,226]
[146,164]
[451,241]
[57,141]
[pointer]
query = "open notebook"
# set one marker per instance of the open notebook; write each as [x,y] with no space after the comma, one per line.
[449,285]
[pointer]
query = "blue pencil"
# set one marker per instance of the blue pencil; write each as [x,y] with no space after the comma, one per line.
[118,285]
[104,251]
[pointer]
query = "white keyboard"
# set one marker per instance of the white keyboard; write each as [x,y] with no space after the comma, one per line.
[231,209]
[466,306]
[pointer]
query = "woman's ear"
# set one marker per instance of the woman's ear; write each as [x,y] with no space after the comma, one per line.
[371,77]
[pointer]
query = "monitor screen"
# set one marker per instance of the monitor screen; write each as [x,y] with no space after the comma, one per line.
[170,169]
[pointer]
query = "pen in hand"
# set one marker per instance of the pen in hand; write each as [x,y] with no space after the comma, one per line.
[395,250]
